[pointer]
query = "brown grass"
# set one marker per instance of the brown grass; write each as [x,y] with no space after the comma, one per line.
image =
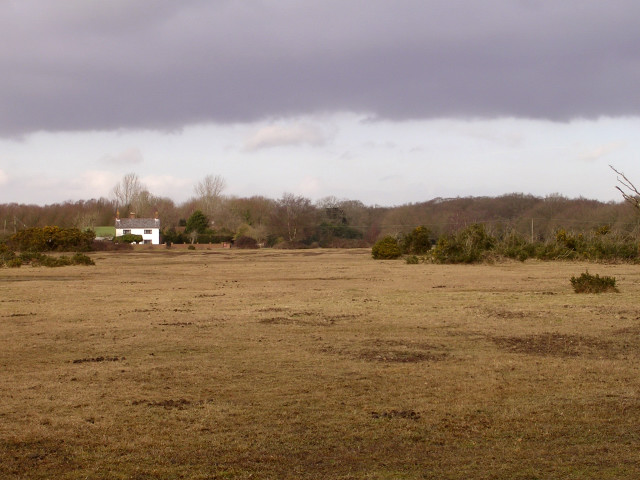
[206,364]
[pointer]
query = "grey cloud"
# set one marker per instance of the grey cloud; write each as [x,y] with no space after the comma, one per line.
[78,65]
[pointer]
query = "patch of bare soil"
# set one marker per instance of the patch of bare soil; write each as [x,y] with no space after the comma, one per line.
[303,318]
[512,313]
[171,404]
[390,414]
[98,359]
[557,344]
[391,351]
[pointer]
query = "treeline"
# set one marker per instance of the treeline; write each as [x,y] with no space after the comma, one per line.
[331,222]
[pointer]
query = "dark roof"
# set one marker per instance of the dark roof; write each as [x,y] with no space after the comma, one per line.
[138,223]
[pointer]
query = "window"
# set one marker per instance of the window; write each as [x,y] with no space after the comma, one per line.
[148,232]
[147,242]
[126,232]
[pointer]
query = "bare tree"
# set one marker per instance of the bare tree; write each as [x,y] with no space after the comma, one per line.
[209,192]
[127,190]
[293,215]
[628,190]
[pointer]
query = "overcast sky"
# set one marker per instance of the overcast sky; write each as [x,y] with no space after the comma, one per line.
[384,102]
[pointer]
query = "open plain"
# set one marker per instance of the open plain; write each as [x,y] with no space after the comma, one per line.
[206,364]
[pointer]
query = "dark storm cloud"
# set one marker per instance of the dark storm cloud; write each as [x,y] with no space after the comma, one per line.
[78,65]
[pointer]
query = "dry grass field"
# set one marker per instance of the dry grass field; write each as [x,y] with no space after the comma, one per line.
[206,364]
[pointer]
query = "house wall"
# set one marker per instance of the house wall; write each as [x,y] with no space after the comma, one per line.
[154,236]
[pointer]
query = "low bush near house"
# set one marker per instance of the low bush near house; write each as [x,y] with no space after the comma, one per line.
[587,283]
[128,238]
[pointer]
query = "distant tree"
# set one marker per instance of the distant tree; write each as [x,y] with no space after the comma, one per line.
[293,216]
[209,192]
[128,190]
[197,223]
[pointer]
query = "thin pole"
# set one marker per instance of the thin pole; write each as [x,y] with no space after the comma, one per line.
[532,230]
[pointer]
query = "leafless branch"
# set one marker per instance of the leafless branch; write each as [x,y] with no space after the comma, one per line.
[629,191]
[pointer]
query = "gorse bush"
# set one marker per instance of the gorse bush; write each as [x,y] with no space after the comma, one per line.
[40,259]
[417,242]
[52,239]
[513,245]
[467,246]
[587,283]
[6,255]
[82,259]
[386,249]
[476,244]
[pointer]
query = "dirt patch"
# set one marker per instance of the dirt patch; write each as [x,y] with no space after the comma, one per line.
[390,414]
[304,318]
[393,351]
[557,344]
[98,359]
[171,404]
[513,314]
[277,321]
[400,356]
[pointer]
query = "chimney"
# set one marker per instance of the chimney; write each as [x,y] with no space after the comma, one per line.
[132,215]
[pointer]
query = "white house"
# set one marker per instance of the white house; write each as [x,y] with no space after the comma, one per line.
[148,228]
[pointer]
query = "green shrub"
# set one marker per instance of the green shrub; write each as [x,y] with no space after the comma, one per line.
[412,260]
[191,247]
[6,255]
[52,239]
[418,242]
[587,283]
[14,263]
[386,249]
[81,259]
[513,245]
[472,244]
[128,238]
[40,259]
